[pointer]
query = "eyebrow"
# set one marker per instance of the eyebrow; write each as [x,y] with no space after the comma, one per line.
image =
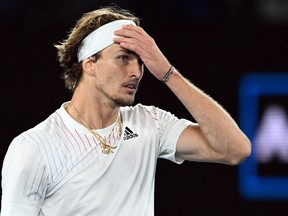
[126,51]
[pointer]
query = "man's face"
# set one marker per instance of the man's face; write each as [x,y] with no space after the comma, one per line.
[118,73]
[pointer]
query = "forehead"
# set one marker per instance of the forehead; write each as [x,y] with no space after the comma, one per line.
[113,48]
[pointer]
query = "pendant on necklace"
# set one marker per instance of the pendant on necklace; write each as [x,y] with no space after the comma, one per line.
[106,148]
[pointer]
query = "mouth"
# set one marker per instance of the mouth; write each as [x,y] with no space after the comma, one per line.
[131,86]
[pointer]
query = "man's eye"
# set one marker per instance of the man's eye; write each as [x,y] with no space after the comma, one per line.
[140,62]
[124,58]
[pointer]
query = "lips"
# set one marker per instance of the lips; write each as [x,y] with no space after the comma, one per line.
[131,85]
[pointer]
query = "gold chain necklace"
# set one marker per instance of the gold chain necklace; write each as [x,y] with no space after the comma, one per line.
[106,147]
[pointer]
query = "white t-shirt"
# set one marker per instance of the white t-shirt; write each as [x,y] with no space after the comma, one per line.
[58,169]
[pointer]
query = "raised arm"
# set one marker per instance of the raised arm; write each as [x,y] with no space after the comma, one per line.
[216,137]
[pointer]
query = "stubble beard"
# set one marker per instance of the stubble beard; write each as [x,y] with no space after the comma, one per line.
[116,101]
[122,102]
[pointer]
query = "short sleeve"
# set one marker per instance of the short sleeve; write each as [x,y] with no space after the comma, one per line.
[24,179]
[171,128]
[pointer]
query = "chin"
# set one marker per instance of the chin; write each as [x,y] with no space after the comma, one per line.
[124,102]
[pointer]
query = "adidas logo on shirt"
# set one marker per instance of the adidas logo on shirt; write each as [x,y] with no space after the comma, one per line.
[129,134]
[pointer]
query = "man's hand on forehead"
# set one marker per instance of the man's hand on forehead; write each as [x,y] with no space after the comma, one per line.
[135,39]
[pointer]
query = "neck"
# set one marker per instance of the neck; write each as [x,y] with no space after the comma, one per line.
[95,116]
[93,106]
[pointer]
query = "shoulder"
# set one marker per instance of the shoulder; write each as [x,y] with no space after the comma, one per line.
[42,132]
[42,128]
[147,115]
[143,109]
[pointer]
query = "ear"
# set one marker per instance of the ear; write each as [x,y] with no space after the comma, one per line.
[88,66]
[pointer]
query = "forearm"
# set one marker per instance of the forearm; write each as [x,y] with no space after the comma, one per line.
[219,138]
[219,129]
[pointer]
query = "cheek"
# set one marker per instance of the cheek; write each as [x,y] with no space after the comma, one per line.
[111,81]
[113,77]
[109,73]
[105,74]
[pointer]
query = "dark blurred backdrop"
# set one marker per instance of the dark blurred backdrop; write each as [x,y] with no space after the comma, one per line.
[213,43]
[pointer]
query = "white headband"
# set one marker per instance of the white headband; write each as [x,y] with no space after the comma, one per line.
[101,38]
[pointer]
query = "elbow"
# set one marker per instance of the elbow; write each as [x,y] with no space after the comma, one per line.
[243,152]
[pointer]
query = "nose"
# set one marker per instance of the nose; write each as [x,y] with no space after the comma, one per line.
[137,68]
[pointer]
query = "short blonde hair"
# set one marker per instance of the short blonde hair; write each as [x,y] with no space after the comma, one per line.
[68,48]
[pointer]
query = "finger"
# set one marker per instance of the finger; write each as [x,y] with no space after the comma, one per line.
[130,44]
[135,38]
[127,33]
[137,29]
[131,31]
[137,41]
[126,40]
